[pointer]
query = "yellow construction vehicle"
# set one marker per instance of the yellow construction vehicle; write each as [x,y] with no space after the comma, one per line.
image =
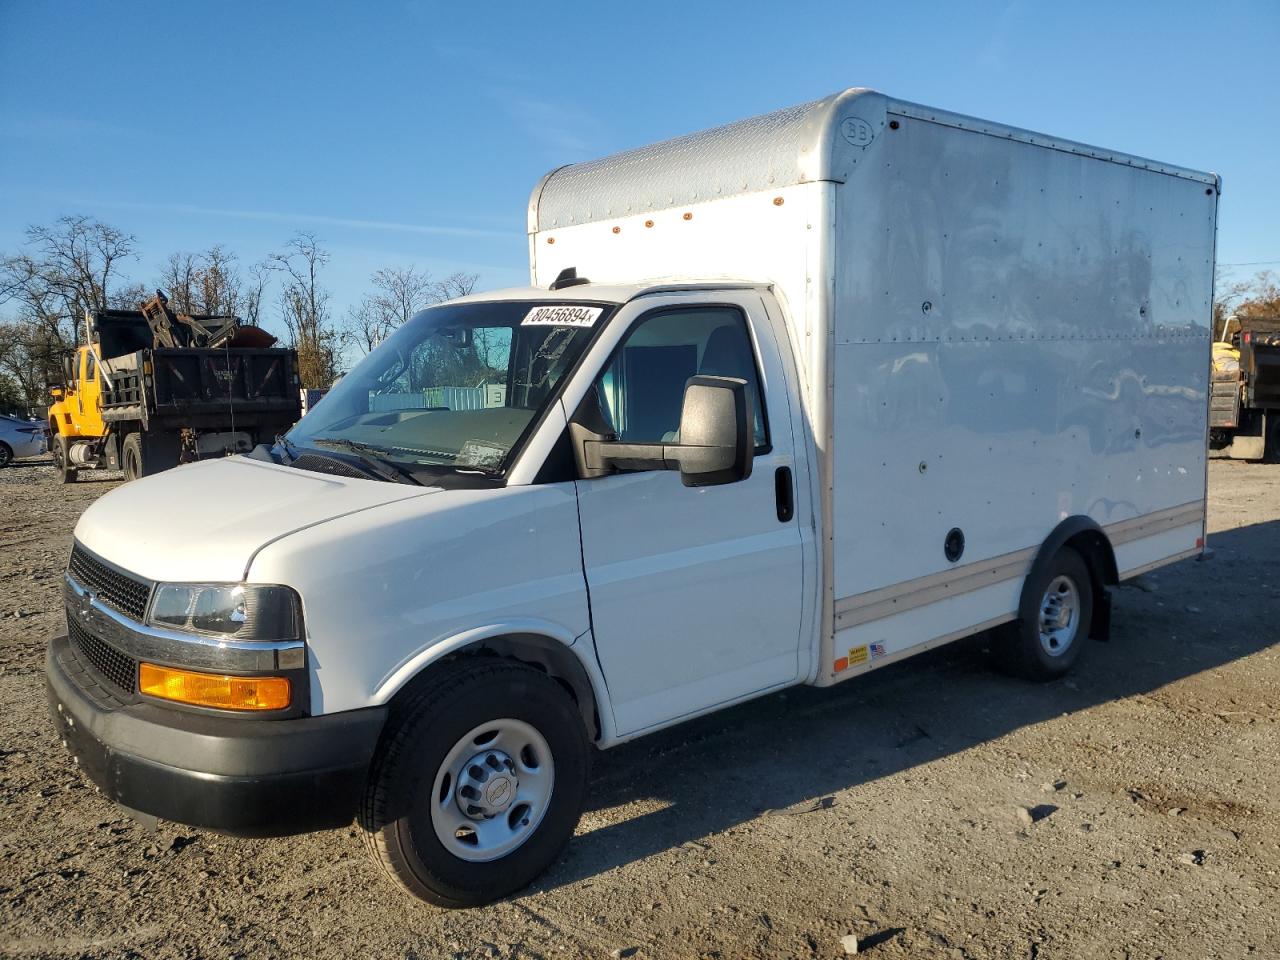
[1244,403]
[151,389]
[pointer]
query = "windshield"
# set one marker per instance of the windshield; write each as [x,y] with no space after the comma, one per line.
[455,388]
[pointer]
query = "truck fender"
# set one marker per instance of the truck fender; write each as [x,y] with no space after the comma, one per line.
[1083,535]
[568,658]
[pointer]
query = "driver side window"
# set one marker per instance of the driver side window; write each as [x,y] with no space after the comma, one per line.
[642,389]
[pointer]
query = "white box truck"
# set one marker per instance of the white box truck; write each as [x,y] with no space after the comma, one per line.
[788,400]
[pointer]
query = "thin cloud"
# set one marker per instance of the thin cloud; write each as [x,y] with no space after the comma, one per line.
[275,216]
[56,127]
[565,132]
[994,53]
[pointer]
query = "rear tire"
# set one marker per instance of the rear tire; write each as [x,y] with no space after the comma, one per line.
[62,459]
[478,783]
[1047,640]
[1271,428]
[6,454]
[131,456]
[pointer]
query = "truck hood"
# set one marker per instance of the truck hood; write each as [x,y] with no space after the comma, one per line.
[205,521]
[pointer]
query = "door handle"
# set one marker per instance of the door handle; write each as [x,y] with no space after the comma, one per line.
[783,494]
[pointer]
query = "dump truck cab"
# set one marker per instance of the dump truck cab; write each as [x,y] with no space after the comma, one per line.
[76,410]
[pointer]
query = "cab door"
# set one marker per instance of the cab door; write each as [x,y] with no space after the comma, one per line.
[695,592]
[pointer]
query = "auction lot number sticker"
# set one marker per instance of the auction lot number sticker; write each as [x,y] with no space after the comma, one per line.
[562,315]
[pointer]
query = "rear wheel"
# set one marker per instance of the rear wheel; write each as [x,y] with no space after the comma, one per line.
[6,454]
[62,459]
[478,784]
[1045,642]
[131,456]
[1271,433]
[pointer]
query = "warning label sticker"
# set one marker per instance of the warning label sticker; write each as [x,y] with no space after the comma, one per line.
[858,655]
[562,315]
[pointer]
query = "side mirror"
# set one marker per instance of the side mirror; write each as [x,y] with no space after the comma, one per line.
[716,438]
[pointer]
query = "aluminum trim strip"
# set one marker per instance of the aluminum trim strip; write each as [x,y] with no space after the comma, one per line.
[901,597]
[1156,564]
[177,649]
[1152,523]
[898,598]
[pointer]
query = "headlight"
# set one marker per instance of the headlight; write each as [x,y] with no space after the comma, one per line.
[233,611]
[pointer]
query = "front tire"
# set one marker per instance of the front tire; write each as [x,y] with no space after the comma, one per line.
[62,459]
[6,454]
[478,783]
[1045,642]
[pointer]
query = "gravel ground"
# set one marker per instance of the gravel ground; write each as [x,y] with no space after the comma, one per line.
[932,809]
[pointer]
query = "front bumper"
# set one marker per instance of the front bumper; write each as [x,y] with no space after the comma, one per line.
[233,775]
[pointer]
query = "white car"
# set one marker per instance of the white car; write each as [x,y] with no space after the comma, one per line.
[21,438]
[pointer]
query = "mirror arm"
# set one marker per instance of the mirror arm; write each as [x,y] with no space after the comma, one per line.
[602,455]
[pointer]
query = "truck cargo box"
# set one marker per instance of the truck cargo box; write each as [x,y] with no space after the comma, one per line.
[1000,329]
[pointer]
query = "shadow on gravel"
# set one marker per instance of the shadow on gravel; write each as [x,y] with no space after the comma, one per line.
[786,754]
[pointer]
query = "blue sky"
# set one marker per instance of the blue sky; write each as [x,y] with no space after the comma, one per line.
[411,132]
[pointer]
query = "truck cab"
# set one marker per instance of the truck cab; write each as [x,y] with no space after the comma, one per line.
[76,410]
[533,478]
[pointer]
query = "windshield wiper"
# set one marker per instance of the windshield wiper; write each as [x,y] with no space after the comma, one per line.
[373,456]
[289,448]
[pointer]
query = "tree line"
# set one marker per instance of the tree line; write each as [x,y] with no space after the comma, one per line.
[77,264]
[1257,298]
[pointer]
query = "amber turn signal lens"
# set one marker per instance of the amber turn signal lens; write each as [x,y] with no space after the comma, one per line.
[214,690]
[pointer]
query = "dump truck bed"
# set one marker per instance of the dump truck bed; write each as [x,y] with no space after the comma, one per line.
[202,388]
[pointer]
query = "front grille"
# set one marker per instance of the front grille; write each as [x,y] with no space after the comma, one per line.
[120,591]
[122,671]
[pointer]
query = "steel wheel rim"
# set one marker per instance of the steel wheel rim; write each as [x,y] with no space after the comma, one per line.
[1059,615]
[499,821]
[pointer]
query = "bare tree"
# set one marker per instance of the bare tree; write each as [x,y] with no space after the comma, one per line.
[66,269]
[1257,297]
[251,293]
[203,283]
[456,285]
[78,257]
[218,282]
[397,295]
[63,270]
[1263,300]
[304,309]
[129,297]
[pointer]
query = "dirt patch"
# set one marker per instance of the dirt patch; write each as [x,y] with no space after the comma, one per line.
[932,809]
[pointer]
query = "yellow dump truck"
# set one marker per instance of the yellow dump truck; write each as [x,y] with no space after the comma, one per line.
[1244,404]
[150,389]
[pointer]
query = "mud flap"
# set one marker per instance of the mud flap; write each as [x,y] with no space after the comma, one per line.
[1100,626]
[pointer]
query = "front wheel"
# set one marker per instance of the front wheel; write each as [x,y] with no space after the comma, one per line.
[62,459]
[479,783]
[6,454]
[1046,641]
